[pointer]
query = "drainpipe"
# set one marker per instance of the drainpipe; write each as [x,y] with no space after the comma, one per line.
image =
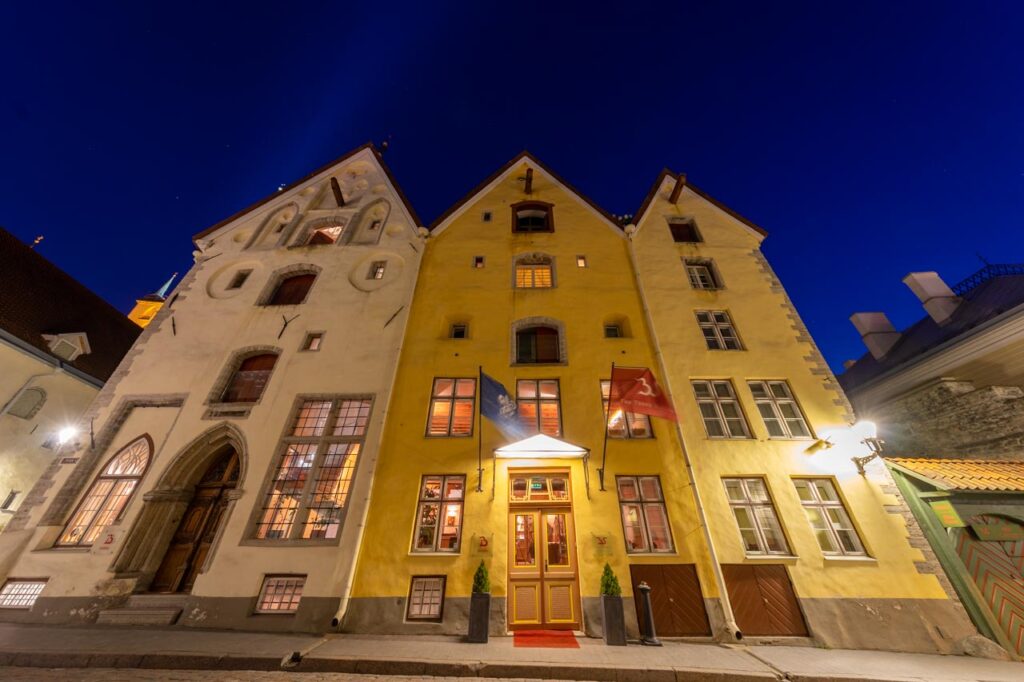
[732,631]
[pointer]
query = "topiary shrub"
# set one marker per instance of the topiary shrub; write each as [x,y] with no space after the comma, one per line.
[609,583]
[481,580]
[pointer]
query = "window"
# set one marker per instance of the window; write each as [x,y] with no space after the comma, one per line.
[20,594]
[239,279]
[313,341]
[702,274]
[612,331]
[28,403]
[539,487]
[536,345]
[439,514]
[778,408]
[452,403]
[828,517]
[755,515]
[534,276]
[478,261]
[720,410]
[532,217]
[685,231]
[108,496]
[292,290]
[539,407]
[644,520]
[377,269]
[458,331]
[426,598]
[628,425]
[248,381]
[581,261]
[329,234]
[280,594]
[718,331]
[9,500]
[308,494]
[487,216]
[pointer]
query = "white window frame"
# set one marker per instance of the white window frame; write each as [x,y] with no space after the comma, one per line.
[723,328]
[452,400]
[297,582]
[771,402]
[11,599]
[702,274]
[750,504]
[644,503]
[377,269]
[536,425]
[717,401]
[441,502]
[823,506]
[628,418]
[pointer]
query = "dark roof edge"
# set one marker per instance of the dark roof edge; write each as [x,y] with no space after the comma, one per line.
[649,199]
[50,359]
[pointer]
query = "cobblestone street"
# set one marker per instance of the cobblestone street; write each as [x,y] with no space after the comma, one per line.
[117,675]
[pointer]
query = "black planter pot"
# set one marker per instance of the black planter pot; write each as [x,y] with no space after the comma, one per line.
[614,621]
[479,618]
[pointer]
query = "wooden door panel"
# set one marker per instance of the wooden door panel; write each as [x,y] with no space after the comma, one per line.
[763,600]
[780,600]
[558,603]
[676,599]
[998,570]
[525,603]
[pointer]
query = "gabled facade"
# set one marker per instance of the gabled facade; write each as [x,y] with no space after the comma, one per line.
[234,446]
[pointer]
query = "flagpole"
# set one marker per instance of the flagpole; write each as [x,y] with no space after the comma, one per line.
[607,414]
[480,429]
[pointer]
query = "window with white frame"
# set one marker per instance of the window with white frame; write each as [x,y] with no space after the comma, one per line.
[644,519]
[426,598]
[20,594]
[702,274]
[452,403]
[827,514]
[719,409]
[540,407]
[308,495]
[439,514]
[624,424]
[777,406]
[755,516]
[718,330]
[280,594]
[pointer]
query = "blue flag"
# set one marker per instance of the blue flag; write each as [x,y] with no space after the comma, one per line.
[498,406]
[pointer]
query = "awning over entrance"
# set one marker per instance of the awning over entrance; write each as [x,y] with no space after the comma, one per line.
[541,447]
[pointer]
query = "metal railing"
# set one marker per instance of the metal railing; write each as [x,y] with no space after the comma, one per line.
[985,274]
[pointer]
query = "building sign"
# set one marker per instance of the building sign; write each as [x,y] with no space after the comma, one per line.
[1003,531]
[947,514]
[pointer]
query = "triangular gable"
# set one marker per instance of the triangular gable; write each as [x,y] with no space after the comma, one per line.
[286,193]
[674,178]
[501,174]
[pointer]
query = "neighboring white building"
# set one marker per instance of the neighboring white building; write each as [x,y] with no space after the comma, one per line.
[236,443]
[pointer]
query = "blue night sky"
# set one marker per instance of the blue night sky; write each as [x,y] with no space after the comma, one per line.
[870,140]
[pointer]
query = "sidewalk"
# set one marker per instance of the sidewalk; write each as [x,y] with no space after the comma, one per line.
[176,648]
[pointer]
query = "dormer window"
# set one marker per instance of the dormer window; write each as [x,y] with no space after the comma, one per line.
[68,347]
[532,216]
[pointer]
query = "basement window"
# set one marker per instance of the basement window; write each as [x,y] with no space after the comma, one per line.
[280,594]
[20,594]
[426,598]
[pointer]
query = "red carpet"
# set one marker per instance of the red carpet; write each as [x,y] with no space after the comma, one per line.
[545,639]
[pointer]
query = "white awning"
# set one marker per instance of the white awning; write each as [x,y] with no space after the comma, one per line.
[541,447]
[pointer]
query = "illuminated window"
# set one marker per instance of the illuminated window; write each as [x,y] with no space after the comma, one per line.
[532,216]
[239,279]
[755,516]
[534,276]
[581,261]
[20,594]
[377,269]
[624,425]
[684,231]
[292,290]
[426,598]
[832,525]
[328,234]
[313,341]
[309,493]
[478,261]
[452,404]
[644,519]
[702,274]
[280,594]
[537,345]
[108,496]
[539,404]
[718,330]
[247,383]
[782,416]
[720,410]
[439,514]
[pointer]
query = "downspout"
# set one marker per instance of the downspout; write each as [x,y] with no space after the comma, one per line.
[732,630]
[346,590]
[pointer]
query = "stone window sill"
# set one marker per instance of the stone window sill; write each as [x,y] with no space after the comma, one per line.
[788,559]
[866,560]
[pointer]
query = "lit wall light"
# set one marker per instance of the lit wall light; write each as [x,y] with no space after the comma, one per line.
[66,434]
[868,433]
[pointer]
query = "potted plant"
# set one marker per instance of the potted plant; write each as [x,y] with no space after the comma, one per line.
[611,602]
[480,606]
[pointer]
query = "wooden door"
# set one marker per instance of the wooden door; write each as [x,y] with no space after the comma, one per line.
[676,599]
[543,589]
[763,600]
[190,545]
[997,566]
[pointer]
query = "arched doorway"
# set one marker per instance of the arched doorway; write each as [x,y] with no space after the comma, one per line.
[190,545]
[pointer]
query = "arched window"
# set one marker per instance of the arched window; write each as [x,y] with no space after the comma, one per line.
[532,216]
[537,345]
[27,404]
[292,290]
[109,495]
[248,381]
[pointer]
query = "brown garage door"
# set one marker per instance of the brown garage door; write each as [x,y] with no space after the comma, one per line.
[763,600]
[676,599]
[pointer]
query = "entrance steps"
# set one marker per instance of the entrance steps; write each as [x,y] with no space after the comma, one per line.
[145,609]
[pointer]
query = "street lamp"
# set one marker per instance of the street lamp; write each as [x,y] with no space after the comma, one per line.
[869,437]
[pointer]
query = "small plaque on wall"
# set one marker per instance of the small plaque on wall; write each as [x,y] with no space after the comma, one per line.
[602,544]
[482,544]
[69,460]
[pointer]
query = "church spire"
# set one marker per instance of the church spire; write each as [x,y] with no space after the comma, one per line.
[147,307]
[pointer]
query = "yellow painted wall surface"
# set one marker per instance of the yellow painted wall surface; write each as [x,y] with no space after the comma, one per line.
[774,348]
[451,290]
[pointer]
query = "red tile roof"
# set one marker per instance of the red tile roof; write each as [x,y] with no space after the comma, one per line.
[966,474]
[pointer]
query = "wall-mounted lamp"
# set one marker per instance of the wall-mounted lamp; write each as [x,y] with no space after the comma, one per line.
[825,443]
[66,435]
[869,437]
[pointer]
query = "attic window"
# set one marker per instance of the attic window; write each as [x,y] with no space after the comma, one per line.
[329,234]
[685,231]
[532,216]
[478,261]
[487,216]
[68,347]
[377,269]
[459,331]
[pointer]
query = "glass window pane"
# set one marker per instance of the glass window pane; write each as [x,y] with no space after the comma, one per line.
[440,414]
[462,419]
[465,388]
[633,527]
[519,486]
[779,389]
[451,524]
[453,487]
[825,490]
[550,422]
[734,490]
[548,389]
[431,488]
[657,524]
[737,428]
[650,488]
[757,389]
[701,389]
[797,428]
[756,489]
[628,489]
[443,388]
[527,389]
[770,528]
[803,489]
[525,541]
[312,418]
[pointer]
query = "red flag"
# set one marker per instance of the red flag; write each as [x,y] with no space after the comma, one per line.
[634,389]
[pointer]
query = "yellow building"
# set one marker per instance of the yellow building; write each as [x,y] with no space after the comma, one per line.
[532,282]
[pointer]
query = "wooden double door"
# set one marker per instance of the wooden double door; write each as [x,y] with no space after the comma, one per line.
[763,600]
[677,602]
[191,543]
[542,573]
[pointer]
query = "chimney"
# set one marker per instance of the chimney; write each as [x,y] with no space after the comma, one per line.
[938,299]
[876,331]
